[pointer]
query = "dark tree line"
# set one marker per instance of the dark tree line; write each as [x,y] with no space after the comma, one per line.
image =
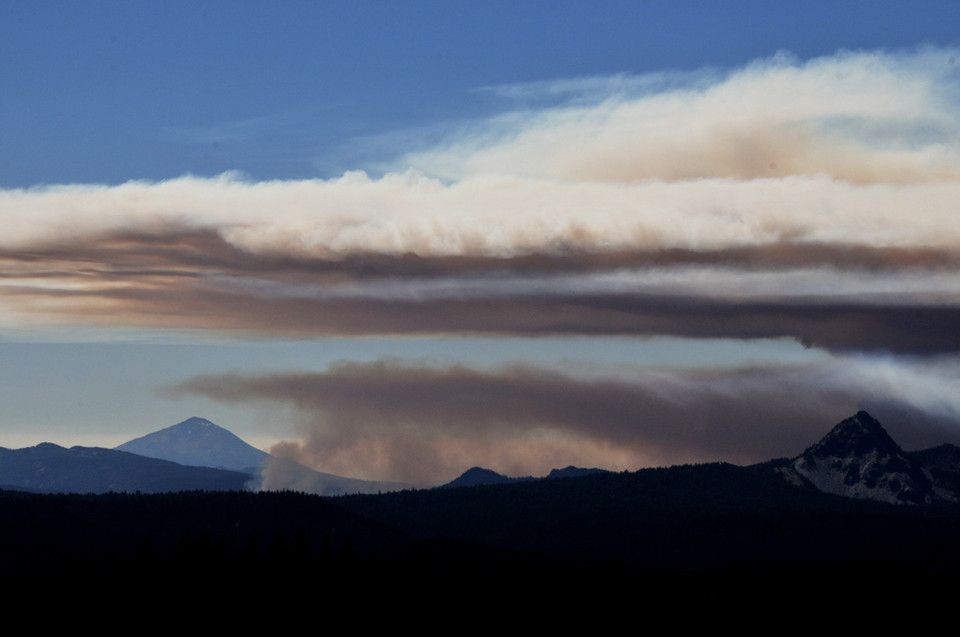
[714,532]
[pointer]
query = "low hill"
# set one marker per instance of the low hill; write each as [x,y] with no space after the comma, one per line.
[478,475]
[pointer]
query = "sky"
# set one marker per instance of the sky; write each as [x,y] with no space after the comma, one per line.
[394,241]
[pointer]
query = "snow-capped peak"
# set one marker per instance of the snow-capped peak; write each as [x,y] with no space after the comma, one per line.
[858,458]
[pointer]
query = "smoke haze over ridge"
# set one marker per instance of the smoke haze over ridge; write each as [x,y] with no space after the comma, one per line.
[415,421]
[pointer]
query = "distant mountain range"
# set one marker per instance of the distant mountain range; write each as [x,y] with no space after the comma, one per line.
[856,459]
[478,475]
[192,455]
[771,533]
[195,454]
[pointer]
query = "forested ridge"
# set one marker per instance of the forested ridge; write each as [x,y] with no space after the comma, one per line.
[714,529]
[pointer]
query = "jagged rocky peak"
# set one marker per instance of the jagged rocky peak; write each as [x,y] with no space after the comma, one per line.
[859,459]
[858,435]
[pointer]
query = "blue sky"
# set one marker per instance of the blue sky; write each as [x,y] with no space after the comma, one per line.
[105,92]
[226,209]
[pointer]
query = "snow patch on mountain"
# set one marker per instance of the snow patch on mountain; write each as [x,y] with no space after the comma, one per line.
[858,459]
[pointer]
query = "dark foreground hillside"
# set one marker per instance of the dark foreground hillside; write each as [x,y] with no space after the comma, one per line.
[687,518]
[712,535]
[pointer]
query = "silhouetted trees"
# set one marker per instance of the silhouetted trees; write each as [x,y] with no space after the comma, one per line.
[717,530]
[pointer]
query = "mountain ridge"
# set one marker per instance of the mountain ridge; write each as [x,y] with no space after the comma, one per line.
[857,458]
[50,468]
[479,475]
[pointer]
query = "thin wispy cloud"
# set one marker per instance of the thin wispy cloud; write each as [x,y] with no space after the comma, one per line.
[287,126]
[859,117]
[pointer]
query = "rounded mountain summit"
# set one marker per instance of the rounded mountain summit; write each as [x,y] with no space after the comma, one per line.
[198,442]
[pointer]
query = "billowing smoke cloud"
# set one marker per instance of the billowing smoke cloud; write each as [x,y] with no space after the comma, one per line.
[810,200]
[858,117]
[835,296]
[424,423]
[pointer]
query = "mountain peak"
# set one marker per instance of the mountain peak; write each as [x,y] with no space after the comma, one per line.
[573,472]
[858,458]
[196,420]
[860,434]
[476,476]
[199,442]
[47,446]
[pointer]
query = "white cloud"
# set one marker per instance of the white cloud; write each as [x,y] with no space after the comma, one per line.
[862,117]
